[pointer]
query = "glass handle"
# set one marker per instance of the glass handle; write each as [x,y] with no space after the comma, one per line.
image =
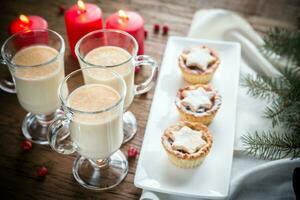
[2,61]
[59,136]
[147,84]
[6,85]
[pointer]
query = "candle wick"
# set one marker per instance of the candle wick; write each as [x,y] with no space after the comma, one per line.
[81,11]
[81,6]
[123,20]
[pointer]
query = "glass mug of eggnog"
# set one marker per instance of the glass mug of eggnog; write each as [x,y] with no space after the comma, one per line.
[92,125]
[117,51]
[35,59]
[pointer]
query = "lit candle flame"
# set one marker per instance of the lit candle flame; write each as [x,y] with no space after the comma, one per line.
[81,6]
[24,19]
[123,16]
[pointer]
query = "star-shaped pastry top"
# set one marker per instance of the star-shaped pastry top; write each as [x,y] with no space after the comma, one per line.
[196,99]
[199,57]
[187,140]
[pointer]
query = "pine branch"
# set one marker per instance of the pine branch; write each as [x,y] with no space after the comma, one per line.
[284,43]
[283,95]
[265,88]
[291,77]
[274,112]
[290,118]
[271,145]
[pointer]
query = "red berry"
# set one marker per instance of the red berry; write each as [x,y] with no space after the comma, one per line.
[165,29]
[146,34]
[42,171]
[61,9]
[156,28]
[132,152]
[137,69]
[26,145]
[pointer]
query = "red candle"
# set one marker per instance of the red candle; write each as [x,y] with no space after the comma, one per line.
[81,19]
[27,23]
[131,22]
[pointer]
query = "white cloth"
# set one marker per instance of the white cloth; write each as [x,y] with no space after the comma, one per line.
[269,181]
[251,178]
[259,180]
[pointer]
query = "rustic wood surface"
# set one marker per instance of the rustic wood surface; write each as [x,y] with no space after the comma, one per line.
[18,170]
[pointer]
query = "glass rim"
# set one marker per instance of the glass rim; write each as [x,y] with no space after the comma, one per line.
[78,54]
[64,82]
[60,51]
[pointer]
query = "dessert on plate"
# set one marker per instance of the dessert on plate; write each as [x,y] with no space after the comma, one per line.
[198,103]
[198,64]
[187,144]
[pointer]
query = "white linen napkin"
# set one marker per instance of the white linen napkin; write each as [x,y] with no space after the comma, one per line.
[251,178]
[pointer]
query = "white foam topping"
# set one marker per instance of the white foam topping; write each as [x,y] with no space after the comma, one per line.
[36,55]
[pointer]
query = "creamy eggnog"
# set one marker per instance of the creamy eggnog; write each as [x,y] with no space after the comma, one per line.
[37,86]
[110,56]
[96,135]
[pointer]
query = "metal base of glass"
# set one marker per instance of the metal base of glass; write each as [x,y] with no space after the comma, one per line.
[35,127]
[7,86]
[101,174]
[129,126]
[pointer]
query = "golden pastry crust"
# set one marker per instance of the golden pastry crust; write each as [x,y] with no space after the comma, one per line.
[184,159]
[195,76]
[205,117]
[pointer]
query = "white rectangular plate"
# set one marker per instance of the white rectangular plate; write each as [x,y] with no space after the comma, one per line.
[211,179]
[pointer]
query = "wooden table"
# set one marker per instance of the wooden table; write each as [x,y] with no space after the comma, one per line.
[18,170]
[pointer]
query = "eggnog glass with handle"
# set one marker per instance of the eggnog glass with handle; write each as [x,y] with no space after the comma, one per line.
[116,51]
[92,126]
[35,59]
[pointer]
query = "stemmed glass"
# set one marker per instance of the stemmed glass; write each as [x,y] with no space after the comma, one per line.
[35,59]
[117,51]
[92,126]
